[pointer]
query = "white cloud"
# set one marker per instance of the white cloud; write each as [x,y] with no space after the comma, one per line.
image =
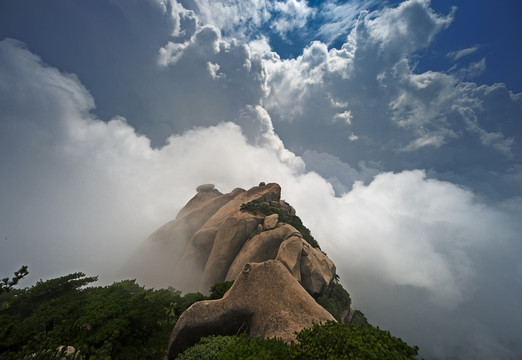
[242,19]
[91,191]
[79,193]
[473,70]
[341,17]
[372,77]
[405,29]
[292,14]
[345,116]
[456,55]
[418,255]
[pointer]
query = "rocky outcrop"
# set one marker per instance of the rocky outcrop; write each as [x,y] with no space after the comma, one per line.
[317,269]
[254,238]
[265,299]
[212,239]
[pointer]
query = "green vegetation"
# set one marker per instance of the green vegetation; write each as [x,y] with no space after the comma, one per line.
[247,348]
[207,348]
[284,216]
[7,284]
[120,321]
[336,341]
[126,321]
[330,341]
[335,299]
[218,290]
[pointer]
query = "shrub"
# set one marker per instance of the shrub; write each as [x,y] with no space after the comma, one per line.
[218,290]
[334,340]
[246,348]
[335,299]
[207,348]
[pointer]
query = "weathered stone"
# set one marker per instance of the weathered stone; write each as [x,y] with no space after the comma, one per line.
[68,352]
[270,222]
[208,242]
[164,247]
[317,269]
[229,240]
[205,187]
[198,249]
[262,247]
[265,299]
[286,207]
[347,315]
[289,254]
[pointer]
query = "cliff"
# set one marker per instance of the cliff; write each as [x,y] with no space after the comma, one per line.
[283,282]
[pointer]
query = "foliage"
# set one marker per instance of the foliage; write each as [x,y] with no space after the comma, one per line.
[334,340]
[187,300]
[126,321]
[335,299]
[244,347]
[7,284]
[218,290]
[284,216]
[330,341]
[359,319]
[32,318]
[207,348]
[120,321]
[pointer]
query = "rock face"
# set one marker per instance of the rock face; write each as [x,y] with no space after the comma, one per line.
[251,237]
[212,239]
[265,299]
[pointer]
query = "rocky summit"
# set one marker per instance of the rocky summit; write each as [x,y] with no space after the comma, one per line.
[254,238]
[215,235]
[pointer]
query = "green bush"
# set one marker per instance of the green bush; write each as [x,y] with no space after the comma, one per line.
[120,321]
[335,299]
[246,348]
[330,341]
[284,216]
[218,290]
[207,348]
[336,341]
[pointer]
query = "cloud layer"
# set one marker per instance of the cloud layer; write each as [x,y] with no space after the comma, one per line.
[410,179]
[81,194]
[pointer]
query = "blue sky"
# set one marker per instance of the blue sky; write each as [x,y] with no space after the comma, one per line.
[394,128]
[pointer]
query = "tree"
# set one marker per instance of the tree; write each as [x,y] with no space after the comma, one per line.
[218,290]
[120,321]
[7,284]
[333,341]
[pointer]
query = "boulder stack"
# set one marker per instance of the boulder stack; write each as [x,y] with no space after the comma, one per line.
[212,239]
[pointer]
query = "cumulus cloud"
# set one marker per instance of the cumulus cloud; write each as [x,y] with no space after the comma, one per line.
[369,90]
[419,255]
[291,15]
[94,190]
[428,259]
[243,19]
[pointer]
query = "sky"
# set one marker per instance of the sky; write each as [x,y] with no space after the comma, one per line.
[393,127]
